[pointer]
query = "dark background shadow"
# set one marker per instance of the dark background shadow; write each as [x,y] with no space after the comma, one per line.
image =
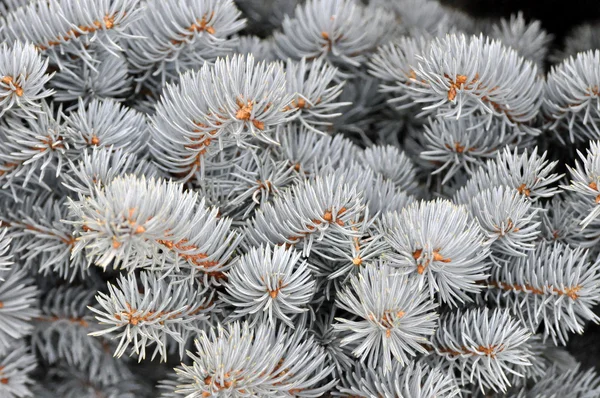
[557,16]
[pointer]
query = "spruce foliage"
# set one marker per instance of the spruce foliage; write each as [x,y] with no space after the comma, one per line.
[284,198]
